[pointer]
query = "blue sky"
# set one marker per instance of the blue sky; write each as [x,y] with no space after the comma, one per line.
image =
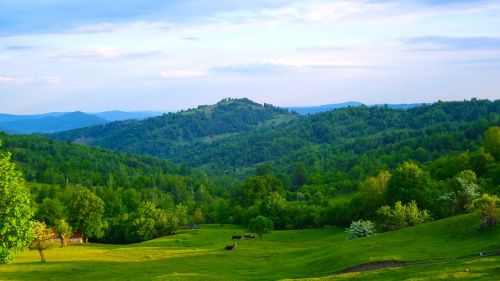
[58,55]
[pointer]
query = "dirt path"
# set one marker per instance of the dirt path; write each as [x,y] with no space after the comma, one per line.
[390,264]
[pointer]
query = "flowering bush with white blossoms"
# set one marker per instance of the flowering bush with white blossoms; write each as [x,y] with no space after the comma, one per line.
[360,228]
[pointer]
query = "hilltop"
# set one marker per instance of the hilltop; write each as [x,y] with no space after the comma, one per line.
[165,136]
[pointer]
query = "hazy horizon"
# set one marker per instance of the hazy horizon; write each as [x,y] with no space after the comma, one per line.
[95,56]
[195,106]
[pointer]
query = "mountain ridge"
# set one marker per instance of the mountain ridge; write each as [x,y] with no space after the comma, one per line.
[63,121]
[308,110]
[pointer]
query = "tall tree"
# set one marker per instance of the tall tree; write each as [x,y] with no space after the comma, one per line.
[373,189]
[50,211]
[15,210]
[87,214]
[465,189]
[64,231]
[492,141]
[408,183]
[198,216]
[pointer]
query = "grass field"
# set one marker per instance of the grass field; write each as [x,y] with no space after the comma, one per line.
[314,253]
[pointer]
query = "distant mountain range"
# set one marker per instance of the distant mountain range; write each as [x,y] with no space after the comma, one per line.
[306,110]
[63,121]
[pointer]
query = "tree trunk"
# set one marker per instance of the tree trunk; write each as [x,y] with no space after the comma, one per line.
[85,238]
[42,255]
[63,241]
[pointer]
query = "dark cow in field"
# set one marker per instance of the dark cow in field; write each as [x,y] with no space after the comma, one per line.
[248,236]
[236,237]
[231,247]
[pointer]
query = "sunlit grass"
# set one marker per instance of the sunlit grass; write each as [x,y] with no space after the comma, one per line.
[311,253]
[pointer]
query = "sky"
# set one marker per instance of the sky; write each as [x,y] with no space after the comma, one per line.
[89,55]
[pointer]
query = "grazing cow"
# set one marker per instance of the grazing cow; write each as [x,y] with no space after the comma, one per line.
[231,247]
[236,237]
[249,236]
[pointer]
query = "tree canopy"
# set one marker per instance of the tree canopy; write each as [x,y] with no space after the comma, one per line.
[15,210]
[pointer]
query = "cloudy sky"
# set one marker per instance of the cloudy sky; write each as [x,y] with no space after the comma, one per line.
[89,55]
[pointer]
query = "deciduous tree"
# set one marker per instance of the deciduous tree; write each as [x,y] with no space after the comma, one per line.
[87,214]
[408,183]
[492,141]
[41,239]
[64,231]
[260,225]
[15,210]
[198,216]
[488,207]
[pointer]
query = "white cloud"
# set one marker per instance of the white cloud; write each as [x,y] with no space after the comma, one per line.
[14,80]
[102,53]
[172,74]
[94,52]
[95,28]
[330,12]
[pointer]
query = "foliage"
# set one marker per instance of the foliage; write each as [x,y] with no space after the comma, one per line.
[164,136]
[86,214]
[260,225]
[41,238]
[264,161]
[56,162]
[488,207]
[15,210]
[342,146]
[492,141]
[64,231]
[401,216]
[408,183]
[464,191]
[143,222]
[258,188]
[361,228]
[51,211]
[222,212]
[373,190]
[198,216]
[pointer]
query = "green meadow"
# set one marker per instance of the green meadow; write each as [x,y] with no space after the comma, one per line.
[443,250]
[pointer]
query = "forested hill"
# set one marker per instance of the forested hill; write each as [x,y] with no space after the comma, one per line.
[165,135]
[55,162]
[354,141]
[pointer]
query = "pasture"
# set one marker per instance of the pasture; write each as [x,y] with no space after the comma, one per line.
[313,254]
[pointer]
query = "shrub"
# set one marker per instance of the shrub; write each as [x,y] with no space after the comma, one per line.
[360,228]
[401,216]
[488,207]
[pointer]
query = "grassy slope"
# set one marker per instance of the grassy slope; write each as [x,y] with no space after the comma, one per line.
[199,255]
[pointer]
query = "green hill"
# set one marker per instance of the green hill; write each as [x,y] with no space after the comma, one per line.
[343,145]
[168,135]
[49,161]
[442,250]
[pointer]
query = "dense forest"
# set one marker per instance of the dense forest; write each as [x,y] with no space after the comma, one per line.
[343,144]
[167,136]
[330,168]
